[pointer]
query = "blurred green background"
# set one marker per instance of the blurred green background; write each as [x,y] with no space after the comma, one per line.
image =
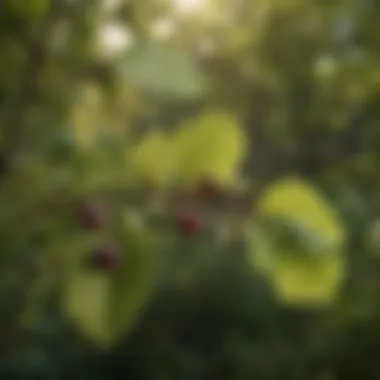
[189,189]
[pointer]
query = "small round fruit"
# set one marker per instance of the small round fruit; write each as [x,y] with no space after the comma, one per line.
[190,225]
[91,216]
[106,258]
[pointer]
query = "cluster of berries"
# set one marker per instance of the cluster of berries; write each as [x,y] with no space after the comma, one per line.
[108,257]
[92,217]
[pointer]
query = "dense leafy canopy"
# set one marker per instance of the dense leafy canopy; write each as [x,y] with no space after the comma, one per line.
[228,156]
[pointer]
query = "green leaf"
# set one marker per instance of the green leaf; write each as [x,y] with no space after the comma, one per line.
[134,283]
[262,249]
[164,71]
[306,280]
[299,280]
[211,144]
[86,303]
[299,243]
[152,158]
[295,200]
[297,237]
[105,305]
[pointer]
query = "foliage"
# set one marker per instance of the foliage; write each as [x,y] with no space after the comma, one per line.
[229,175]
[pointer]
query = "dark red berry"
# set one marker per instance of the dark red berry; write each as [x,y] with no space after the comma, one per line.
[190,225]
[106,257]
[91,216]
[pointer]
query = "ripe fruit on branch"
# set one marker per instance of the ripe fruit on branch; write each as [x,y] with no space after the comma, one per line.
[91,216]
[190,224]
[106,257]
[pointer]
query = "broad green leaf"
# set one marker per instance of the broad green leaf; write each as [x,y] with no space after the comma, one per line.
[301,222]
[163,71]
[152,158]
[105,305]
[290,235]
[262,249]
[86,302]
[88,115]
[134,283]
[295,200]
[212,144]
[301,280]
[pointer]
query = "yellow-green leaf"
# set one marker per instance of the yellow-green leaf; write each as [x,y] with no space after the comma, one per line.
[212,144]
[152,158]
[296,200]
[262,250]
[301,280]
[104,305]
[87,304]
[133,283]
[88,116]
